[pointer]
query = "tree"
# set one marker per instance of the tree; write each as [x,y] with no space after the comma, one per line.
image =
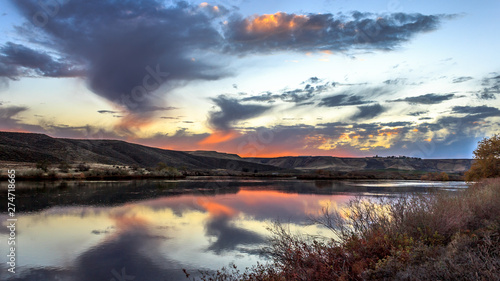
[486,160]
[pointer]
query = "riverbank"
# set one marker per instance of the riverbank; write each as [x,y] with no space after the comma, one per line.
[37,172]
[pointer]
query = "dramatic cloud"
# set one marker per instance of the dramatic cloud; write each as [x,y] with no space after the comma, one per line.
[126,50]
[282,31]
[427,99]
[231,111]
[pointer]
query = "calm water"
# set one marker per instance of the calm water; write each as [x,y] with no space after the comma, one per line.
[151,230]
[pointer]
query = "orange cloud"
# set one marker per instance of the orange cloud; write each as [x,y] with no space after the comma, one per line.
[270,23]
[219,136]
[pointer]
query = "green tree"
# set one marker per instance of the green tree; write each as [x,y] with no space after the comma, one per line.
[486,160]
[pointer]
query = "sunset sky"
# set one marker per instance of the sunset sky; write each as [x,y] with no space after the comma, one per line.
[255,78]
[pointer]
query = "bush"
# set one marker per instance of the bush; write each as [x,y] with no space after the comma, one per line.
[102,173]
[43,165]
[82,167]
[163,170]
[64,167]
[443,176]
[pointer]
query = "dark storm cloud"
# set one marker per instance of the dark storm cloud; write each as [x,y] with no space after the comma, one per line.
[283,31]
[427,99]
[342,100]
[232,111]
[128,48]
[368,111]
[491,88]
[462,79]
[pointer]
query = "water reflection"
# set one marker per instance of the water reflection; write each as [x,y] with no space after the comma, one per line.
[151,230]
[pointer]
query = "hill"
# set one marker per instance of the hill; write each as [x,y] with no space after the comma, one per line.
[30,147]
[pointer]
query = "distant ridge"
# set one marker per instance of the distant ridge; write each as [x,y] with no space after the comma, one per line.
[344,164]
[31,147]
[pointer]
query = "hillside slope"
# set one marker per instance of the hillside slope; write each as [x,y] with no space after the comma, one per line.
[28,147]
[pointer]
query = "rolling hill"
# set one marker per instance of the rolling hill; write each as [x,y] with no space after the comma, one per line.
[30,147]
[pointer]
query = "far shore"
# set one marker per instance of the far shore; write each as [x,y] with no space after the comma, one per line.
[95,171]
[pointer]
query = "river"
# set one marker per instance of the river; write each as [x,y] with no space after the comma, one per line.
[151,230]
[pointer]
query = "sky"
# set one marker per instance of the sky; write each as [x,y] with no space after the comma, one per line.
[256,78]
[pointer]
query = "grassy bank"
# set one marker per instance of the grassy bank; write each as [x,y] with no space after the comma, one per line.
[83,171]
[440,236]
